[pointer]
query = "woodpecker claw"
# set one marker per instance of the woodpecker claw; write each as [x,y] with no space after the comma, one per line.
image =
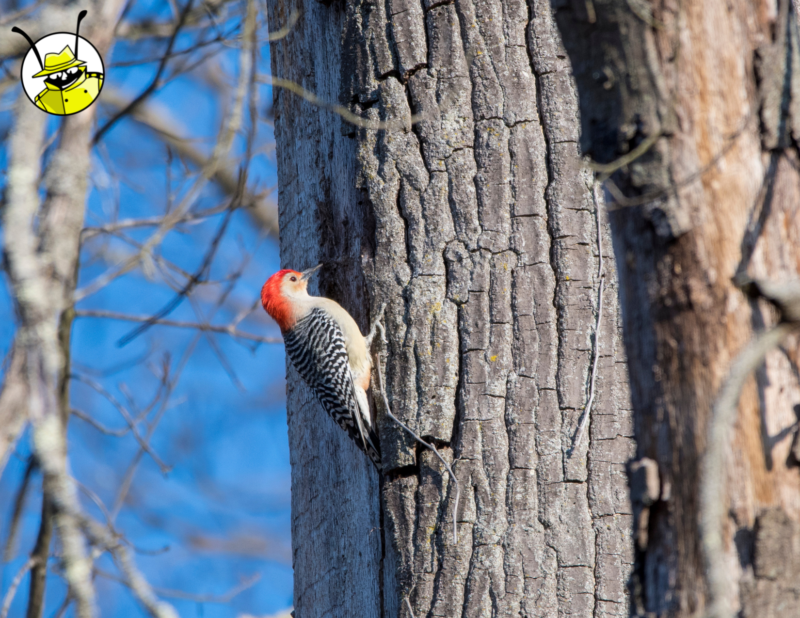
[375,327]
[389,413]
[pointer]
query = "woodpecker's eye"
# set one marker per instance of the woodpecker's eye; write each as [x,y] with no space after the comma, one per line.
[294,278]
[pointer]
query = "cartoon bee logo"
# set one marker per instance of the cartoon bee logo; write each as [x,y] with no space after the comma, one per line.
[66,82]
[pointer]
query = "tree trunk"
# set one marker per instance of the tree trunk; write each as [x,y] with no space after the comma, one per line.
[701,98]
[461,201]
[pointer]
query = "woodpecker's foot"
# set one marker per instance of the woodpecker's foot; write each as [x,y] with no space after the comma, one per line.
[375,327]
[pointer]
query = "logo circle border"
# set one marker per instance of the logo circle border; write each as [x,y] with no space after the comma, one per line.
[30,51]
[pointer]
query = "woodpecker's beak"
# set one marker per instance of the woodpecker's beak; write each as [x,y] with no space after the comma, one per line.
[307,273]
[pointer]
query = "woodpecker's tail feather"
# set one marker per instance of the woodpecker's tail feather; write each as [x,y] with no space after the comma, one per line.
[369,439]
[373,449]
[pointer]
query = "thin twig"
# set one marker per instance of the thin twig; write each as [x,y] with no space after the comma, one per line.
[340,110]
[410,611]
[245,312]
[609,168]
[166,386]
[223,598]
[259,205]
[284,32]
[12,589]
[213,328]
[64,606]
[380,328]
[620,200]
[588,409]
[103,280]
[223,146]
[96,499]
[14,17]
[187,288]
[190,218]
[219,38]
[212,342]
[127,416]
[133,31]
[154,84]
[117,433]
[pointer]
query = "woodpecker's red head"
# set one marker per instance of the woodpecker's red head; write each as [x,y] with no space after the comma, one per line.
[282,292]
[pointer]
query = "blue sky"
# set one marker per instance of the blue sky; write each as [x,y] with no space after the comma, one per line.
[221,514]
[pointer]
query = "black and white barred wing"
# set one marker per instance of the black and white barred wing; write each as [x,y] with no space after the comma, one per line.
[317,350]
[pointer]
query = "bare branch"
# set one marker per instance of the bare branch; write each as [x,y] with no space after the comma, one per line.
[39,302]
[13,18]
[13,403]
[210,598]
[117,433]
[223,598]
[103,280]
[260,206]
[51,20]
[606,169]
[714,466]
[154,83]
[197,17]
[225,142]
[134,579]
[282,33]
[64,606]
[12,589]
[43,267]
[187,288]
[220,38]
[346,114]
[165,389]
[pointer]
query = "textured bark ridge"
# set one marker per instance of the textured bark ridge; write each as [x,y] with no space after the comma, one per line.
[463,204]
[702,100]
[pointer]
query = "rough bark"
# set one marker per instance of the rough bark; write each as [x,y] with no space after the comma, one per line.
[476,225]
[712,86]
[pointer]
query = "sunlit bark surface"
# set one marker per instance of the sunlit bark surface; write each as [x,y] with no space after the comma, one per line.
[462,202]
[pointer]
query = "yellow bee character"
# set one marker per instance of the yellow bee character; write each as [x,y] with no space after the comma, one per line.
[69,86]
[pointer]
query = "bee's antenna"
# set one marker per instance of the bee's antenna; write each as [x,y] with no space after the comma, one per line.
[32,44]
[81,15]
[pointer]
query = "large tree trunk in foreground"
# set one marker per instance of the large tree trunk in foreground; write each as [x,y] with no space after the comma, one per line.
[712,85]
[477,226]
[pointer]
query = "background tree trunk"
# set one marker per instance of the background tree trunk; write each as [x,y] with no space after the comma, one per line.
[476,225]
[712,87]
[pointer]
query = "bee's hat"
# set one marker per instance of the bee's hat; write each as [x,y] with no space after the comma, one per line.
[63,60]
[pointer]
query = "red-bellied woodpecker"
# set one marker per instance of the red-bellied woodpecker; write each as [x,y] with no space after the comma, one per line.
[329,352]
